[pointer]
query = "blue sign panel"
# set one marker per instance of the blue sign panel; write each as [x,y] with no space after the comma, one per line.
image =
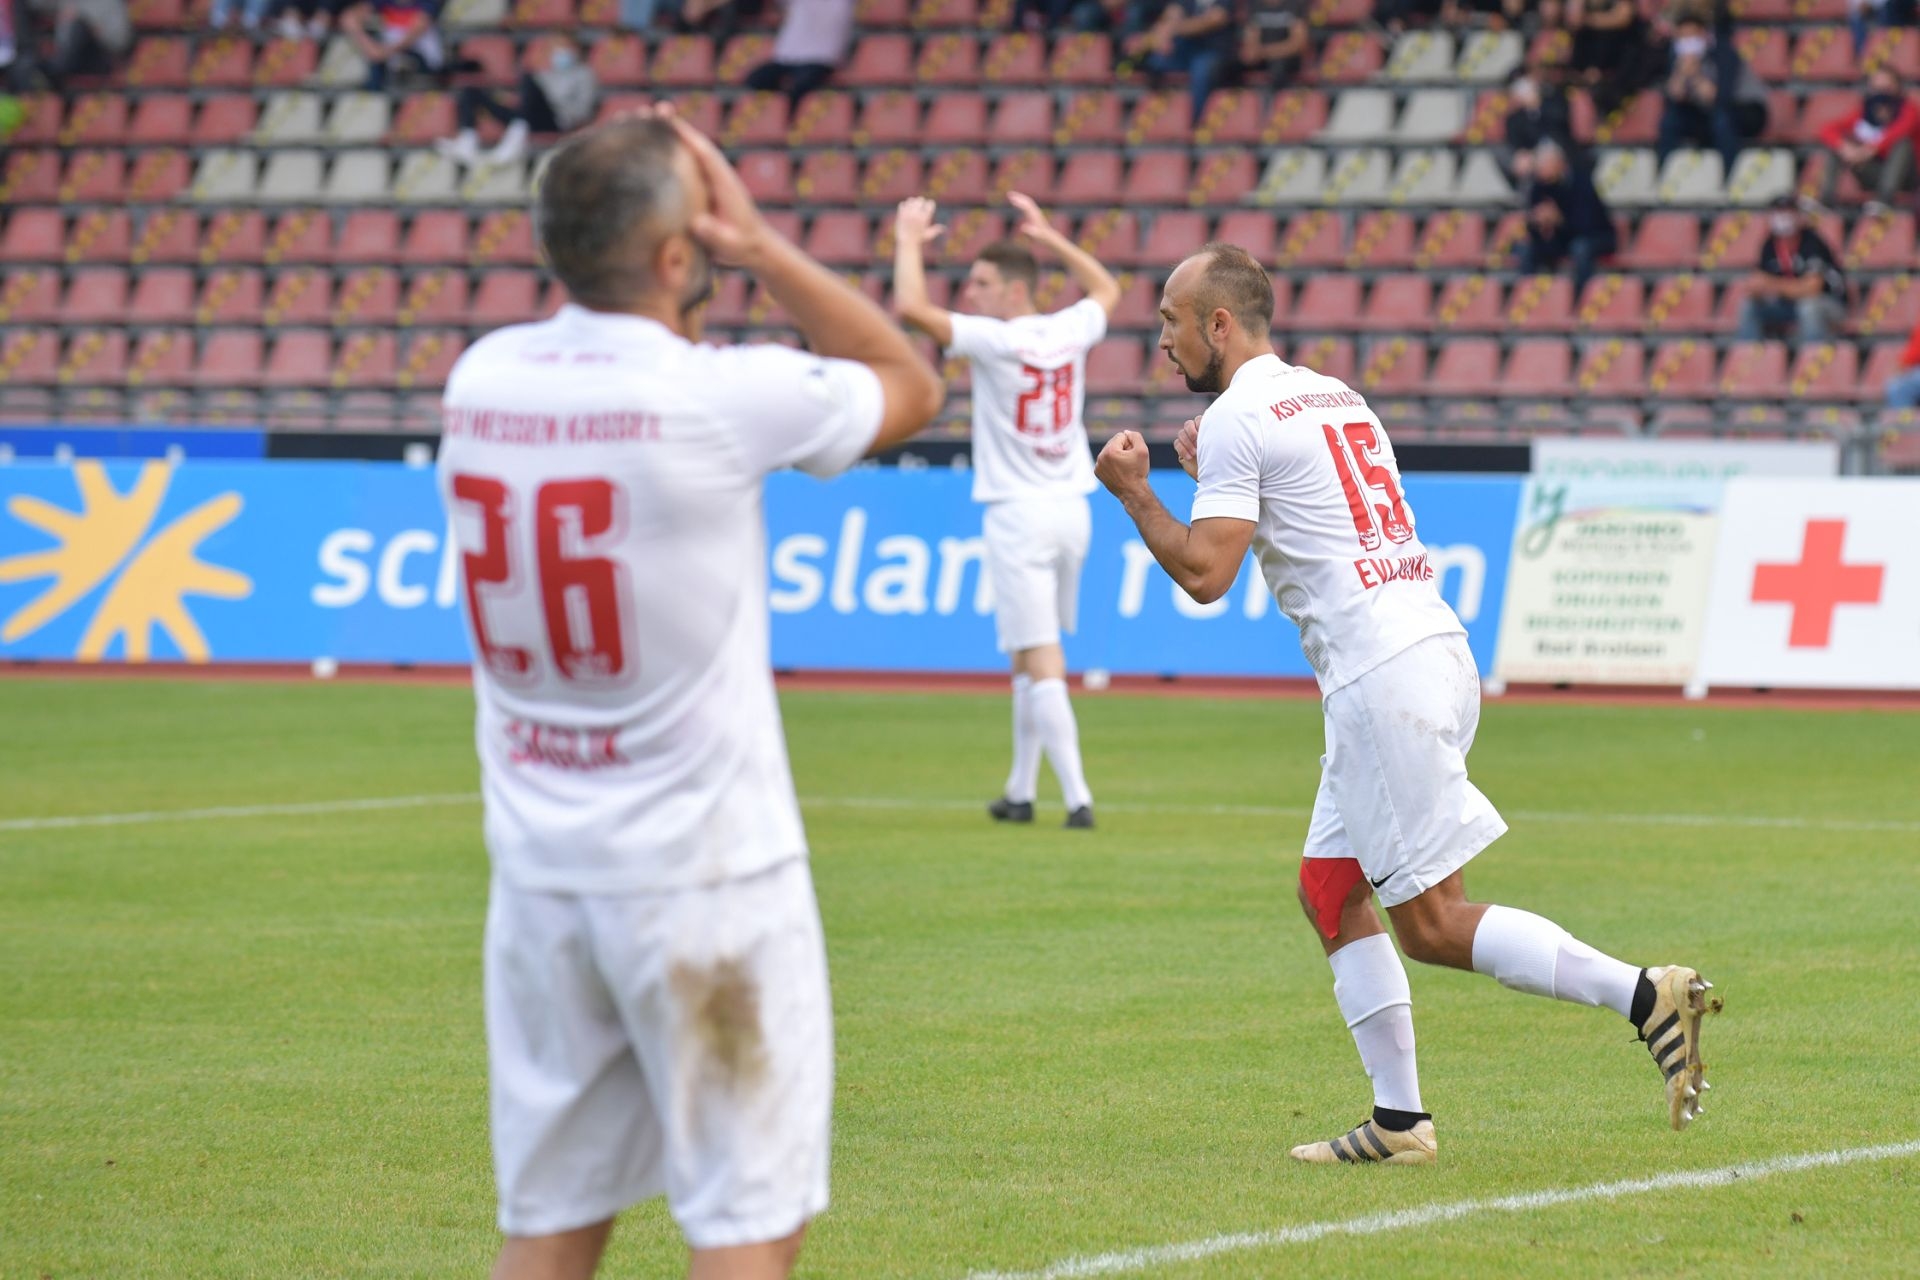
[59,441]
[879,570]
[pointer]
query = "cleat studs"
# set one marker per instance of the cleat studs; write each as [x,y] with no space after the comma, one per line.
[1704,1086]
[1692,1092]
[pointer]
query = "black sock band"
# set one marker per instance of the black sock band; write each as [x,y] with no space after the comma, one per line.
[1398,1121]
[1643,997]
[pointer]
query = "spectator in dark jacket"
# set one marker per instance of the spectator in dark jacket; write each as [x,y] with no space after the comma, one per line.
[1538,112]
[1613,53]
[1195,38]
[1713,97]
[557,94]
[90,37]
[1799,288]
[1275,42]
[1566,219]
[1875,142]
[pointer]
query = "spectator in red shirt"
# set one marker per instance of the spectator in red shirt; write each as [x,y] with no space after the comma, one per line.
[1903,388]
[1876,142]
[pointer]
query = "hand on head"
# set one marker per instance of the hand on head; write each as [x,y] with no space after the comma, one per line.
[730,225]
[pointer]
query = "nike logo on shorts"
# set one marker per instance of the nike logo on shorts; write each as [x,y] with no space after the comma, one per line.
[1382,880]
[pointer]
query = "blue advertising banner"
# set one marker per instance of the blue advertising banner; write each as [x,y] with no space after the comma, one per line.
[56,440]
[879,570]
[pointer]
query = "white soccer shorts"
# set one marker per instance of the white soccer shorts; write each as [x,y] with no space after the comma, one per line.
[676,1042]
[1394,793]
[1035,547]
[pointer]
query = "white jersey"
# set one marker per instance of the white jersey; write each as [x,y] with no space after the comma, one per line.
[1302,455]
[1029,393]
[603,477]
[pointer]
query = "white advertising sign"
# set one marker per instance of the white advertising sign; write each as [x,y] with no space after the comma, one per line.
[1817,585]
[1658,462]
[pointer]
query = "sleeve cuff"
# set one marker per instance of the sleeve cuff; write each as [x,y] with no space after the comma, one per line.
[1225,507]
[859,424]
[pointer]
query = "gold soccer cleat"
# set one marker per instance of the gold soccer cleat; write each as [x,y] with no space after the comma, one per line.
[1370,1144]
[1672,1035]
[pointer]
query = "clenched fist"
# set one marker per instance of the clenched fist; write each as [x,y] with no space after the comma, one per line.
[1123,465]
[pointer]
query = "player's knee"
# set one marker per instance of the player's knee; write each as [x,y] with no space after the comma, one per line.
[1328,886]
[1420,939]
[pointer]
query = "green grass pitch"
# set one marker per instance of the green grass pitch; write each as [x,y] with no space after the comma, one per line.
[252,1046]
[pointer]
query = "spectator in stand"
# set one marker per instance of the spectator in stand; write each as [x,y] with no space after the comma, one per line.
[1275,42]
[1194,38]
[1613,53]
[1538,112]
[90,37]
[394,35]
[1903,388]
[814,38]
[1875,143]
[1713,97]
[1061,15]
[252,13]
[311,19]
[1396,15]
[1885,13]
[558,92]
[1497,14]
[1566,219]
[1799,289]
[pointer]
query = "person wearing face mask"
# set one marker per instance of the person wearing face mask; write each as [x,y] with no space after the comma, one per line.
[557,94]
[1539,113]
[1566,219]
[1875,142]
[1799,290]
[1713,97]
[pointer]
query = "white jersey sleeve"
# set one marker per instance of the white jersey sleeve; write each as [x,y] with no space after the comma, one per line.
[1232,462]
[791,409]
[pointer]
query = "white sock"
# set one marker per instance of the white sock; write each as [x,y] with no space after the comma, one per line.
[1533,954]
[1370,986]
[1025,778]
[1060,736]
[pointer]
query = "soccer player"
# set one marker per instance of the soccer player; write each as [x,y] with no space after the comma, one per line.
[656,985]
[1296,465]
[1032,467]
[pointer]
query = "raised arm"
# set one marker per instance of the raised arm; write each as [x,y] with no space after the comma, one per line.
[1203,558]
[836,318]
[913,230]
[1094,280]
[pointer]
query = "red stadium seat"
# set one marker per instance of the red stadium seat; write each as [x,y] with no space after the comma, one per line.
[1016,58]
[1091,177]
[1612,368]
[500,61]
[1754,371]
[1612,304]
[505,237]
[1541,304]
[1233,118]
[94,177]
[756,120]
[164,15]
[511,297]
[1092,118]
[1783,117]
[96,295]
[541,13]
[1314,238]
[1734,242]
[1081,59]
[1224,177]
[1029,172]
[1172,237]
[1112,236]
[169,235]
[1765,51]
[162,296]
[224,120]
[1399,303]
[841,237]
[45,114]
[100,235]
[1253,231]
[1350,57]
[892,118]
[365,358]
[1331,356]
[31,177]
[1898,48]
[1892,308]
[1884,360]
[230,357]
[1114,368]
[95,120]
[306,235]
[438,235]
[890,177]
[1537,367]
[302,296]
[883,13]
[1383,240]
[233,296]
[33,235]
[1021,119]
[96,358]
[1325,302]
[1469,302]
[1822,108]
[159,62]
[742,54]
[1295,115]
[1823,53]
[968,232]
[30,295]
[286,64]
[1504,240]
[1634,124]
[435,297]
[1663,240]
[948,59]
[29,357]
[959,177]
[1394,367]
[1680,304]
[369,296]
[1880,244]
[826,119]
[879,61]
[1452,240]
[827,176]
[945,13]
[300,358]
[224,62]
[1159,177]
[162,358]
[1162,119]
[1825,371]
[1139,306]
[158,177]
[619,61]
[421,118]
[1726,317]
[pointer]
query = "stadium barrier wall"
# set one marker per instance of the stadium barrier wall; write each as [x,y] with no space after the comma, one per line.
[879,570]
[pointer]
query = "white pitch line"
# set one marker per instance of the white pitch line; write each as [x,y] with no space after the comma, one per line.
[950,804]
[374,804]
[1133,1260]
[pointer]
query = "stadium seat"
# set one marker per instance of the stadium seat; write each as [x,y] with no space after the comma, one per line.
[230,357]
[1824,371]
[770,179]
[1253,231]
[1139,306]
[1765,50]
[96,295]
[1233,117]
[368,296]
[1760,176]
[1330,356]
[291,119]
[234,296]
[1031,173]
[436,297]
[1172,237]
[301,235]
[422,118]
[1160,177]
[1325,303]
[301,296]
[1114,367]
[1223,177]
[505,237]
[1754,371]
[1883,362]
[488,184]
[99,235]
[840,237]
[956,119]
[223,62]
[358,119]
[1692,177]
[1395,366]
[357,177]
[619,61]
[512,297]
[1431,116]
[1627,176]
[96,358]
[1733,242]
[827,119]
[1881,243]
[756,120]
[1894,47]
[1612,304]
[1091,177]
[94,177]
[287,63]
[1399,303]
[1016,58]
[159,62]
[1359,177]
[434,236]
[959,177]
[879,61]
[1090,118]
[890,177]
[1466,367]
[1423,177]
[1083,59]
[948,60]
[1892,307]
[1421,56]
[1541,304]
[1469,303]
[225,176]
[1482,182]
[300,358]
[1611,368]
[162,358]
[43,116]
[30,295]
[95,120]
[1681,304]
[31,177]
[1112,236]
[222,120]
[1452,239]
[1489,57]
[1359,115]
[1294,176]
[1314,238]
[159,177]
[1823,53]
[938,14]
[1294,116]
[1663,240]
[1540,367]
[1822,108]
[29,357]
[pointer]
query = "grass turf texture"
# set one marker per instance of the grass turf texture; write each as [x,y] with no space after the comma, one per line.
[253,1046]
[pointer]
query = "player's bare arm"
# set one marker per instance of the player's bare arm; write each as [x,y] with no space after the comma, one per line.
[914,229]
[1204,557]
[1094,280]
[836,318]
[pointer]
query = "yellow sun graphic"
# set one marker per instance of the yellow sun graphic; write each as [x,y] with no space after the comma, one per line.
[97,539]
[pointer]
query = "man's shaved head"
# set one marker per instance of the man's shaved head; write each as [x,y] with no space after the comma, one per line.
[608,200]
[1231,279]
[1219,278]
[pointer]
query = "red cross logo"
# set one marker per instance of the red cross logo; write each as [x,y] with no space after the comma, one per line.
[1818,585]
